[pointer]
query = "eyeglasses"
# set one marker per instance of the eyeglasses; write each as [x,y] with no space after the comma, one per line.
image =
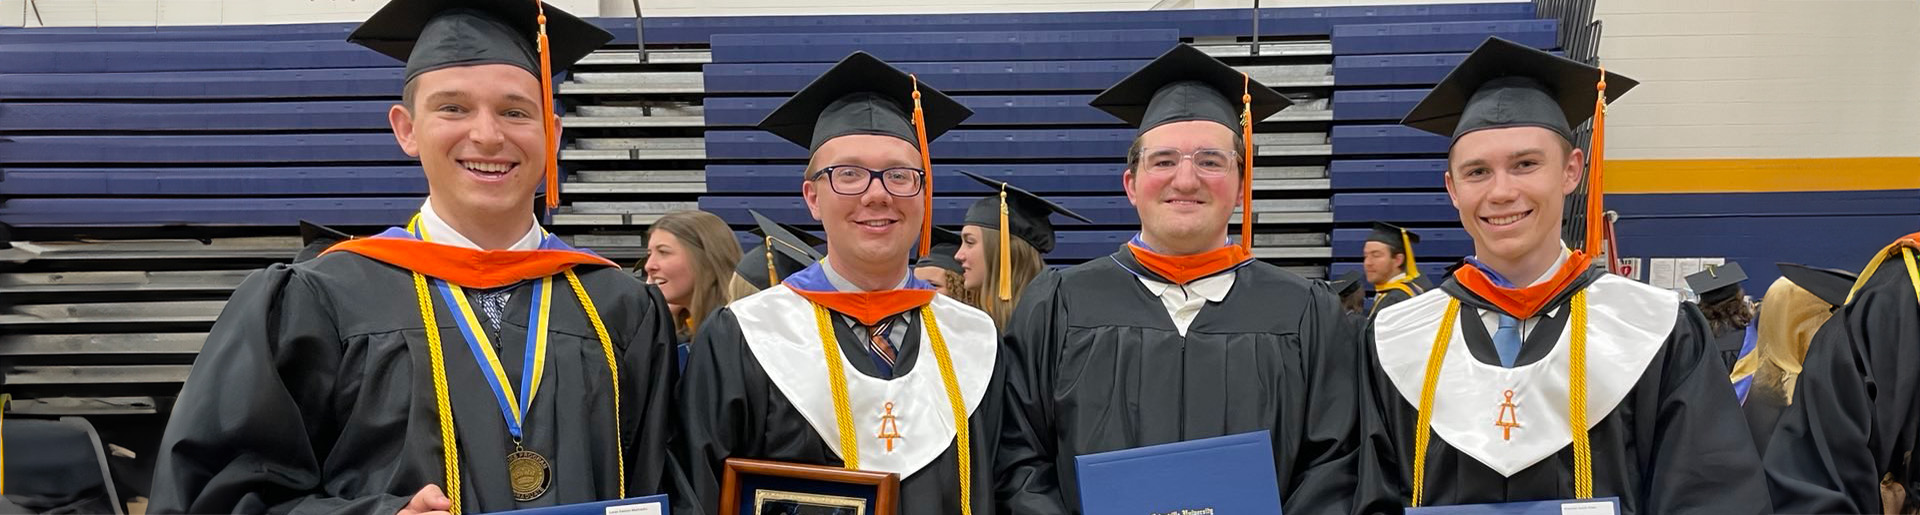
[1208,162]
[854,180]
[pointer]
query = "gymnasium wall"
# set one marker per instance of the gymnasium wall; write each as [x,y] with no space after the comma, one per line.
[1764,130]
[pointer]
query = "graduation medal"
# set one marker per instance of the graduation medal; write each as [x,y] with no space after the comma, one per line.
[528,473]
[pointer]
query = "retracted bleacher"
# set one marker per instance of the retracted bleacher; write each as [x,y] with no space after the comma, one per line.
[144,172]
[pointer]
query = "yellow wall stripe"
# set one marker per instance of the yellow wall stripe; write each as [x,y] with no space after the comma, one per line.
[1762,175]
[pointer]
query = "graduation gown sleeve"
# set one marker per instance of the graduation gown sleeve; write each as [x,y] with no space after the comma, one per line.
[248,435]
[1853,420]
[1024,473]
[649,371]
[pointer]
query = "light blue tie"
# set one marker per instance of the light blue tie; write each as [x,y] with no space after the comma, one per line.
[1506,340]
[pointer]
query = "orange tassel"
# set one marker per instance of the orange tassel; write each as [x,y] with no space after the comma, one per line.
[1246,179]
[546,112]
[1006,252]
[1596,185]
[926,164]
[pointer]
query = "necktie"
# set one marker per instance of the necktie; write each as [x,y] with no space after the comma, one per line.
[494,303]
[881,346]
[1506,340]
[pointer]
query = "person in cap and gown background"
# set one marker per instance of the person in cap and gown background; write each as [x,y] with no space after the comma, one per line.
[914,374]
[691,255]
[1729,312]
[1798,303]
[1530,375]
[469,361]
[1180,334]
[784,250]
[1388,260]
[1352,296]
[942,270]
[999,263]
[1846,443]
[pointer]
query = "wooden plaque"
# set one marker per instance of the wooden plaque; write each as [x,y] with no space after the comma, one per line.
[884,488]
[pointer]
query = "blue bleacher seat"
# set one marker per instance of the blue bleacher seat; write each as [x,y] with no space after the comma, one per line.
[987,110]
[282,212]
[156,56]
[1395,70]
[1385,139]
[1438,37]
[947,210]
[232,84]
[1023,76]
[1406,207]
[1444,243]
[1191,22]
[243,33]
[1386,174]
[907,47]
[1039,178]
[259,148]
[1375,104]
[239,181]
[243,116]
[959,144]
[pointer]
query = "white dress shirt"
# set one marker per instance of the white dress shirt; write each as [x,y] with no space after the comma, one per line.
[1183,303]
[438,230]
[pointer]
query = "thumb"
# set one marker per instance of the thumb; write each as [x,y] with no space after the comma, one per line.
[436,499]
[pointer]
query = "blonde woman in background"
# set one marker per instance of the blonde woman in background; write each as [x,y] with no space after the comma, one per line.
[1013,221]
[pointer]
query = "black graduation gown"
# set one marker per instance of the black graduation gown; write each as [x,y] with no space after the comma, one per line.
[313,394]
[1098,365]
[1854,419]
[731,409]
[1388,298]
[1726,345]
[1676,444]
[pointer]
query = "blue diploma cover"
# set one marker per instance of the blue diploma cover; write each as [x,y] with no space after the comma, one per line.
[1600,506]
[649,505]
[1227,475]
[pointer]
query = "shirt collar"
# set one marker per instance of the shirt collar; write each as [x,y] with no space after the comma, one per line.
[445,234]
[1214,289]
[842,284]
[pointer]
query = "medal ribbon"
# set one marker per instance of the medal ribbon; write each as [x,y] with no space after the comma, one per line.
[843,409]
[537,318]
[1576,400]
[533,367]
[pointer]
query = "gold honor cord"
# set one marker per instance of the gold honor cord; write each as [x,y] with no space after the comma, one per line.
[843,408]
[1576,400]
[1913,274]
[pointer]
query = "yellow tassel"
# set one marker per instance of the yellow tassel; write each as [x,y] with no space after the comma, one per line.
[773,277]
[1006,252]
[1406,244]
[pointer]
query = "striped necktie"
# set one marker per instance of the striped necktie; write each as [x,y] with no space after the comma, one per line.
[881,346]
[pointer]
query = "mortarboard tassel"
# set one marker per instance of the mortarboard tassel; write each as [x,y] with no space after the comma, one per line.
[1596,185]
[1246,180]
[1006,252]
[773,277]
[548,119]
[1406,246]
[926,165]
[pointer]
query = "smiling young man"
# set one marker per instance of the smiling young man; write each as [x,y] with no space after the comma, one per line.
[908,383]
[1530,375]
[1180,334]
[469,361]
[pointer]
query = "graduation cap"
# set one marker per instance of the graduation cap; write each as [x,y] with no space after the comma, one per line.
[1830,285]
[1717,283]
[1400,240]
[1348,283]
[946,243]
[315,239]
[784,251]
[433,34]
[1507,84]
[1186,84]
[1016,213]
[864,95]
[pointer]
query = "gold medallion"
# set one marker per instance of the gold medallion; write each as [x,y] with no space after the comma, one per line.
[528,474]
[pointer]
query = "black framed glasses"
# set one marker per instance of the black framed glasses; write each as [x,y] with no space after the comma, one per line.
[855,180]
